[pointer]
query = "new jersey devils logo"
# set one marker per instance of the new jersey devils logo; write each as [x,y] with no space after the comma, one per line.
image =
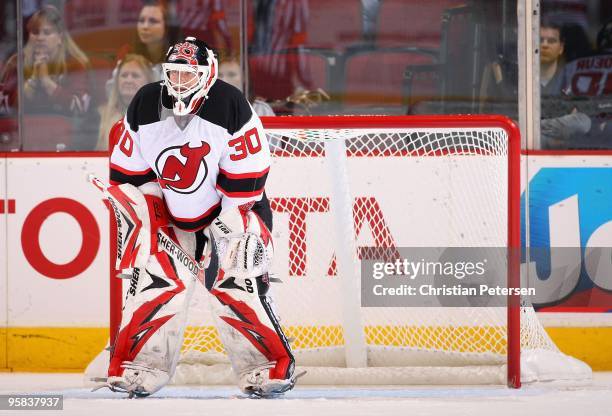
[185,51]
[182,169]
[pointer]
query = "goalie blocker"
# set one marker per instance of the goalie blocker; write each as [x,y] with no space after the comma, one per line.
[159,259]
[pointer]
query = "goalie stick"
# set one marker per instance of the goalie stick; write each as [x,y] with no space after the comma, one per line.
[164,241]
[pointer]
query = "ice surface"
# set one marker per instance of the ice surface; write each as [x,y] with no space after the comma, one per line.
[320,401]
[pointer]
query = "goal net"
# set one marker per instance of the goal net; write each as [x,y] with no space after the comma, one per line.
[343,189]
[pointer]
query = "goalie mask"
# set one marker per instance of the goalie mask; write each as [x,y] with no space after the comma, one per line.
[189,72]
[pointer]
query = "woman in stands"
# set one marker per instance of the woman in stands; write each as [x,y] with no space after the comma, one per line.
[55,75]
[155,34]
[132,72]
[51,59]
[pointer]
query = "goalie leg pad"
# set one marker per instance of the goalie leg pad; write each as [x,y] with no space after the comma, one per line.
[249,328]
[146,350]
[252,335]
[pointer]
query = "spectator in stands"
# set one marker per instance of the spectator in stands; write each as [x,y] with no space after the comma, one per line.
[551,58]
[279,25]
[50,58]
[155,33]
[230,72]
[587,122]
[56,81]
[206,19]
[132,72]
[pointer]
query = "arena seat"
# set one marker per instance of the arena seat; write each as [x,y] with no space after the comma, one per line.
[334,24]
[415,23]
[376,76]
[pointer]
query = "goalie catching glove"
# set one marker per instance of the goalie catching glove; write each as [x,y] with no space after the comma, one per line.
[243,242]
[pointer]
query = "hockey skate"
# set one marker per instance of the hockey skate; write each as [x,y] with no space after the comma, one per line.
[136,380]
[258,383]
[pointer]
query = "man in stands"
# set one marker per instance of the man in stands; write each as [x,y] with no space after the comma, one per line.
[588,90]
[551,55]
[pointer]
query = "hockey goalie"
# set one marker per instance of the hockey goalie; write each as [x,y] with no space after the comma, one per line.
[188,169]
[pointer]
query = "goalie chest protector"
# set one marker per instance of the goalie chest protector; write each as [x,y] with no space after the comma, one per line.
[204,162]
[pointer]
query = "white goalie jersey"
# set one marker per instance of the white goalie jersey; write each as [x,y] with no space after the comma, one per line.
[204,162]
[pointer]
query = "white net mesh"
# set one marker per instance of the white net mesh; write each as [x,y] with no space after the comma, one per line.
[404,188]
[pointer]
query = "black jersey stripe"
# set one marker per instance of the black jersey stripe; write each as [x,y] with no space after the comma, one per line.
[241,185]
[195,224]
[136,179]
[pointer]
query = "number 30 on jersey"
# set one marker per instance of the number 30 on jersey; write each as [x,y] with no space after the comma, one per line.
[245,145]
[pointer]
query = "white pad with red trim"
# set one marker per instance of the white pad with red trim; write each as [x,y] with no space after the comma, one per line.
[241,251]
[145,353]
[148,343]
[139,213]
